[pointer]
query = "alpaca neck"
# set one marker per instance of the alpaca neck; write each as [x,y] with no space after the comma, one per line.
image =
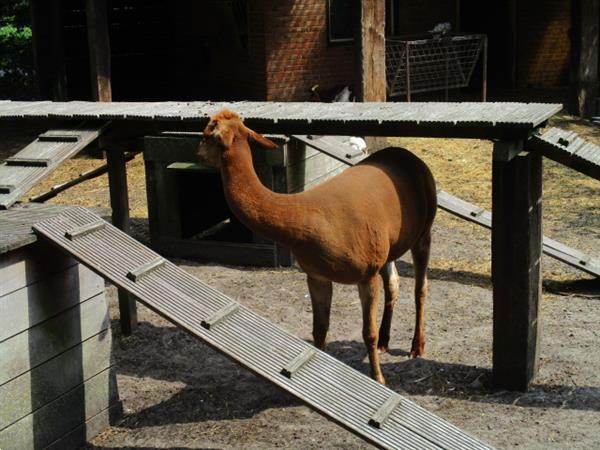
[260,209]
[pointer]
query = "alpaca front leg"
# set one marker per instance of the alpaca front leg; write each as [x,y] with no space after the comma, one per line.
[390,277]
[320,296]
[369,299]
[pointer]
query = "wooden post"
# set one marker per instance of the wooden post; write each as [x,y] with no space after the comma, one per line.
[516,256]
[99,49]
[49,49]
[370,58]
[119,201]
[585,15]
[370,39]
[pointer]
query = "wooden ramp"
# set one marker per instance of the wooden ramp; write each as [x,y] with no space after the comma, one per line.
[22,171]
[353,400]
[567,148]
[335,147]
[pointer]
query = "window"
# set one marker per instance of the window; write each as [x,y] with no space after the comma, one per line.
[340,20]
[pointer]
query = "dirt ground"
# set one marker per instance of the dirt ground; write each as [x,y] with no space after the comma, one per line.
[177,393]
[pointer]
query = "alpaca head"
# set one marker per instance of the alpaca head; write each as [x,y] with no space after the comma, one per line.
[226,131]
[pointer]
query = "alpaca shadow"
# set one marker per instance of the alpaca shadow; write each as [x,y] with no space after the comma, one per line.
[218,389]
[422,376]
[406,269]
[215,387]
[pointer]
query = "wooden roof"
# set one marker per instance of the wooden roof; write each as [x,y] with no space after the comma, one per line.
[476,120]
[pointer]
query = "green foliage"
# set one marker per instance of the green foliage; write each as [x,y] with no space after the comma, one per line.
[16,59]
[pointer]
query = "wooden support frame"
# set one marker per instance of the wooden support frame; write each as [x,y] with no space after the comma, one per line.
[516,264]
[119,202]
[99,49]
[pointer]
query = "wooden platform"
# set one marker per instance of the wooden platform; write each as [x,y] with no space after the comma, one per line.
[340,393]
[473,120]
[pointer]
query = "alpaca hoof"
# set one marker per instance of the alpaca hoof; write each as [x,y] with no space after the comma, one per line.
[417,353]
[383,348]
[380,380]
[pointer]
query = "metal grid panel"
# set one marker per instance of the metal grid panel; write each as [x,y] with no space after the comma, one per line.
[326,384]
[424,65]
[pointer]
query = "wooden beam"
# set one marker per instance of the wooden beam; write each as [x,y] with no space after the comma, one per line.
[99,49]
[370,50]
[49,49]
[119,202]
[516,272]
[585,16]
[370,58]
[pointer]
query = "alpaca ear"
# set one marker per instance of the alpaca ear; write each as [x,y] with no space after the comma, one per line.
[261,141]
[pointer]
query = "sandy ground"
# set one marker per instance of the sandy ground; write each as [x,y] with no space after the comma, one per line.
[178,393]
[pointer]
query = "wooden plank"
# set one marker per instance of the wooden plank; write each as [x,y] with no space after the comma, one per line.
[307,171]
[91,428]
[145,269]
[39,159]
[297,363]
[99,49]
[569,149]
[516,271]
[468,119]
[382,414]
[39,301]
[220,315]
[31,264]
[550,247]
[48,381]
[30,348]
[84,230]
[58,418]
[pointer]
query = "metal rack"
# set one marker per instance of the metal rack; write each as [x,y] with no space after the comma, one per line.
[424,64]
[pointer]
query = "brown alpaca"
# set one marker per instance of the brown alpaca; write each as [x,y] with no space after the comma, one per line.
[349,229]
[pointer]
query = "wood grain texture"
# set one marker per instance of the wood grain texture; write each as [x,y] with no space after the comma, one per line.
[516,271]
[59,417]
[31,305]
[30,264]
[48,339]
[50,380]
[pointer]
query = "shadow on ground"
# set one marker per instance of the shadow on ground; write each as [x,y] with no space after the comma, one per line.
[218,389]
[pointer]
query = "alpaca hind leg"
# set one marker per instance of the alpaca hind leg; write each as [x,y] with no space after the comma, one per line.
[369,299]
[420,255]
[320,296]
[391,280]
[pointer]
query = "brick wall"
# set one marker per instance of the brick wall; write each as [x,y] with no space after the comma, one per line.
[543,44]
[297,53]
